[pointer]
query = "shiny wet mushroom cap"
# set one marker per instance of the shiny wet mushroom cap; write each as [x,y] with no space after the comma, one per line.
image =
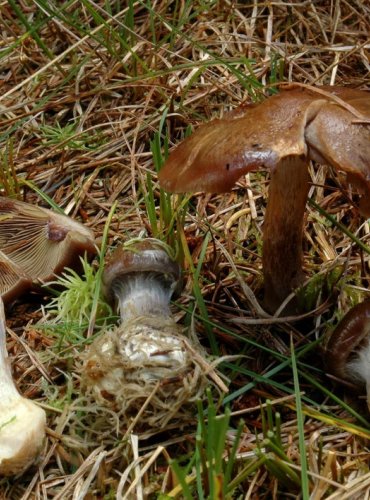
[36,244]
[330,125]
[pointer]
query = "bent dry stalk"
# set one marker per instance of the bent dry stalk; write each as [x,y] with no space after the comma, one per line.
[147,355]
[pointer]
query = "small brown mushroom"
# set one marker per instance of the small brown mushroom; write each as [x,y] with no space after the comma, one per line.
[282,134]
[141,279]
[347,352]
[147,357]
[36,244]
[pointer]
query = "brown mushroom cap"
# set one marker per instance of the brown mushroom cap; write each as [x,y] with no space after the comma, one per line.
[296,122]
[36,244]
[221,151]
[142,256]
[337,138]
[352,333]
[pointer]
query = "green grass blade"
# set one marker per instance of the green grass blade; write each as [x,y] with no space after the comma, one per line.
[300,425]
[42,195]
[32,29]
[197,291]
[181,477]
[99,273]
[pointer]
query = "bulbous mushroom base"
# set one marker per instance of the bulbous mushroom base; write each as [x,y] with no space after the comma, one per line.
[22,432]
[146,361]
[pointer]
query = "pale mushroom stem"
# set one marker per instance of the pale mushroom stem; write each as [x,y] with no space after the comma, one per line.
[145,366]
[283,229]
[142,294]
[22,422]
[347,353]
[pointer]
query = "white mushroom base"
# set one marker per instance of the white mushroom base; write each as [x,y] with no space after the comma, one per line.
[22,432]
[146,361]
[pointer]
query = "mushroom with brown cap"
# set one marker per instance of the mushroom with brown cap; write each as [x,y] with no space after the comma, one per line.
[141,278]
[147,355]
[282,134]
[36,244]
[22,422]
[347,352]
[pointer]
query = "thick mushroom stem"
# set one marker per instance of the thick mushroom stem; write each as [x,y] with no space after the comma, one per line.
[347,352]
[282,231]
[22,422]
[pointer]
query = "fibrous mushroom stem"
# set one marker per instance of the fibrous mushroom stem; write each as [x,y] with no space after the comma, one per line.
[283,229]
[142,294]
[358,369]
[22,422]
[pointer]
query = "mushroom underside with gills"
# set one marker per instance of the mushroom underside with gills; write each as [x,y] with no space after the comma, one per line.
[36,244]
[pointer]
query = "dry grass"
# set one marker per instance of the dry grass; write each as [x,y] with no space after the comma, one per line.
[82,96]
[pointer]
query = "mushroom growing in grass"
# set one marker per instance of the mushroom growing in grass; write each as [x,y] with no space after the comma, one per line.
[146,359]
[347,352]
[22,422]
[36,244]
[330,125]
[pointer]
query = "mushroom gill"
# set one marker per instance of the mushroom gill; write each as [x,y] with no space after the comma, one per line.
[13,280]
